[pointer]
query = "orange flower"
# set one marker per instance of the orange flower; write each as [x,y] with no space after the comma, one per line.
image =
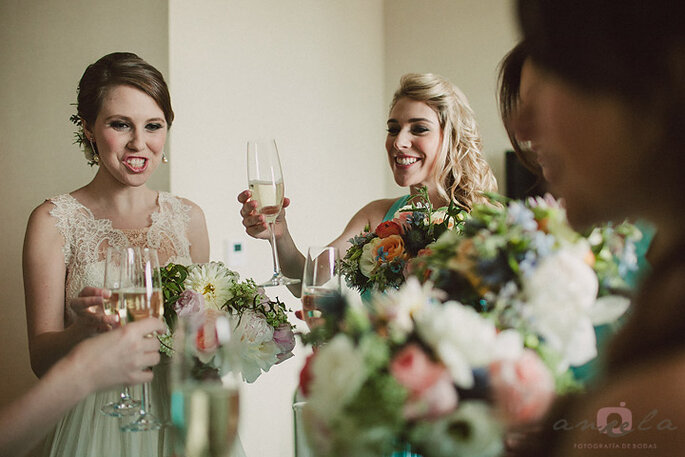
[389,248]
[387,228]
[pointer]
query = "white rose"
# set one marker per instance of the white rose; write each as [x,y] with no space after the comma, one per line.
[254,339]
[338,374]
[367,261]
[561,293]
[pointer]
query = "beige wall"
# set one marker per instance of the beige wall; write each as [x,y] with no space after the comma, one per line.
[462,40]
[310,74]
[45,47]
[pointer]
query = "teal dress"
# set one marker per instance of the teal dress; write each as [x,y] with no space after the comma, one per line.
[399,203]
[589,371]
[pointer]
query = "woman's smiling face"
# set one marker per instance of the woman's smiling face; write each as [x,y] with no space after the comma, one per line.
[129,134]
[413,142]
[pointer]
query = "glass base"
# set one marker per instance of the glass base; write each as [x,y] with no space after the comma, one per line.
[279,280]
[123,407]
[145,422]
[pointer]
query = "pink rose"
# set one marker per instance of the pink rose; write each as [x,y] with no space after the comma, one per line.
[189,303]
[523,388]
[431,391]
[438,400]
[285,340]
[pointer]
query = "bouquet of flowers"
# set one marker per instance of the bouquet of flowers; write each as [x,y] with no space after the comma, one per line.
[525,268]
[377,259]
[262,334]
[412,370]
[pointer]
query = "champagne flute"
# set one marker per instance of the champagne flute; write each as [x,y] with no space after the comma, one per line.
[114,306]
[265,180]
[205,399]
[320,279]
[141,292]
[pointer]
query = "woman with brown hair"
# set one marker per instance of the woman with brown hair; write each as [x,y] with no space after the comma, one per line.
[607,116]
[124,112]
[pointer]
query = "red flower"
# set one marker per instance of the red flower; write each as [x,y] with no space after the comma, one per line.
[387,228]
[306,375]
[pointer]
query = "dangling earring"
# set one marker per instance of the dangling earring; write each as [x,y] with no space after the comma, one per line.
[164,158]
[96,157]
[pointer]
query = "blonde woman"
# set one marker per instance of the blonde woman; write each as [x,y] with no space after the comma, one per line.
[432,141]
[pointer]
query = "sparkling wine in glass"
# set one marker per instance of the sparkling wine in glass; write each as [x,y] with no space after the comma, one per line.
[320,279]
[141,293]
[114,306]
[205,400]
[265,180]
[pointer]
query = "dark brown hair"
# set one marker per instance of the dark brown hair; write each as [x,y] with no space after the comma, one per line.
[120,68]
[509,83]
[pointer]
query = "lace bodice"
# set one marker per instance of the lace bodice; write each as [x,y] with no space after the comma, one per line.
[86,238]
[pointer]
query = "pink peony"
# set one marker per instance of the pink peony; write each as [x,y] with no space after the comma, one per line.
[285,340]
[431,391]
[523,388]
[189,303]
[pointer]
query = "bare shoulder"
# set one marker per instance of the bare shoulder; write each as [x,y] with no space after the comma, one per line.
[376,210]
[42,221]
[370,215]
[641,409]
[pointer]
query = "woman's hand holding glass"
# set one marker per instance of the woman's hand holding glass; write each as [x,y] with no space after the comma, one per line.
[255,223]
[87,310]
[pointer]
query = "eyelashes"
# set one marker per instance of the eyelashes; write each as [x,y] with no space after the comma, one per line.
[415,130]
[122,125]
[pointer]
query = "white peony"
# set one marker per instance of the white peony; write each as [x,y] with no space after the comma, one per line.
[464,339]
[213,280]
[561,293]
[338,373]
[399,306]
[253,339]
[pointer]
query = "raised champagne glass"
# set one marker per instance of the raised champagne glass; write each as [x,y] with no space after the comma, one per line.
[205,399]
[141,292]
[265,180]
[114,306]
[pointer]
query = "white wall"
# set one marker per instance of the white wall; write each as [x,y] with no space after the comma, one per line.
[310,74]
[462,40]
[45,47]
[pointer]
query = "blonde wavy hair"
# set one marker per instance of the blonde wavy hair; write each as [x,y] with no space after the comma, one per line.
[465,174]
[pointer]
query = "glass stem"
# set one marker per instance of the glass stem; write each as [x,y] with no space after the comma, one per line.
[274,250]
[145,400]
[125,393]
